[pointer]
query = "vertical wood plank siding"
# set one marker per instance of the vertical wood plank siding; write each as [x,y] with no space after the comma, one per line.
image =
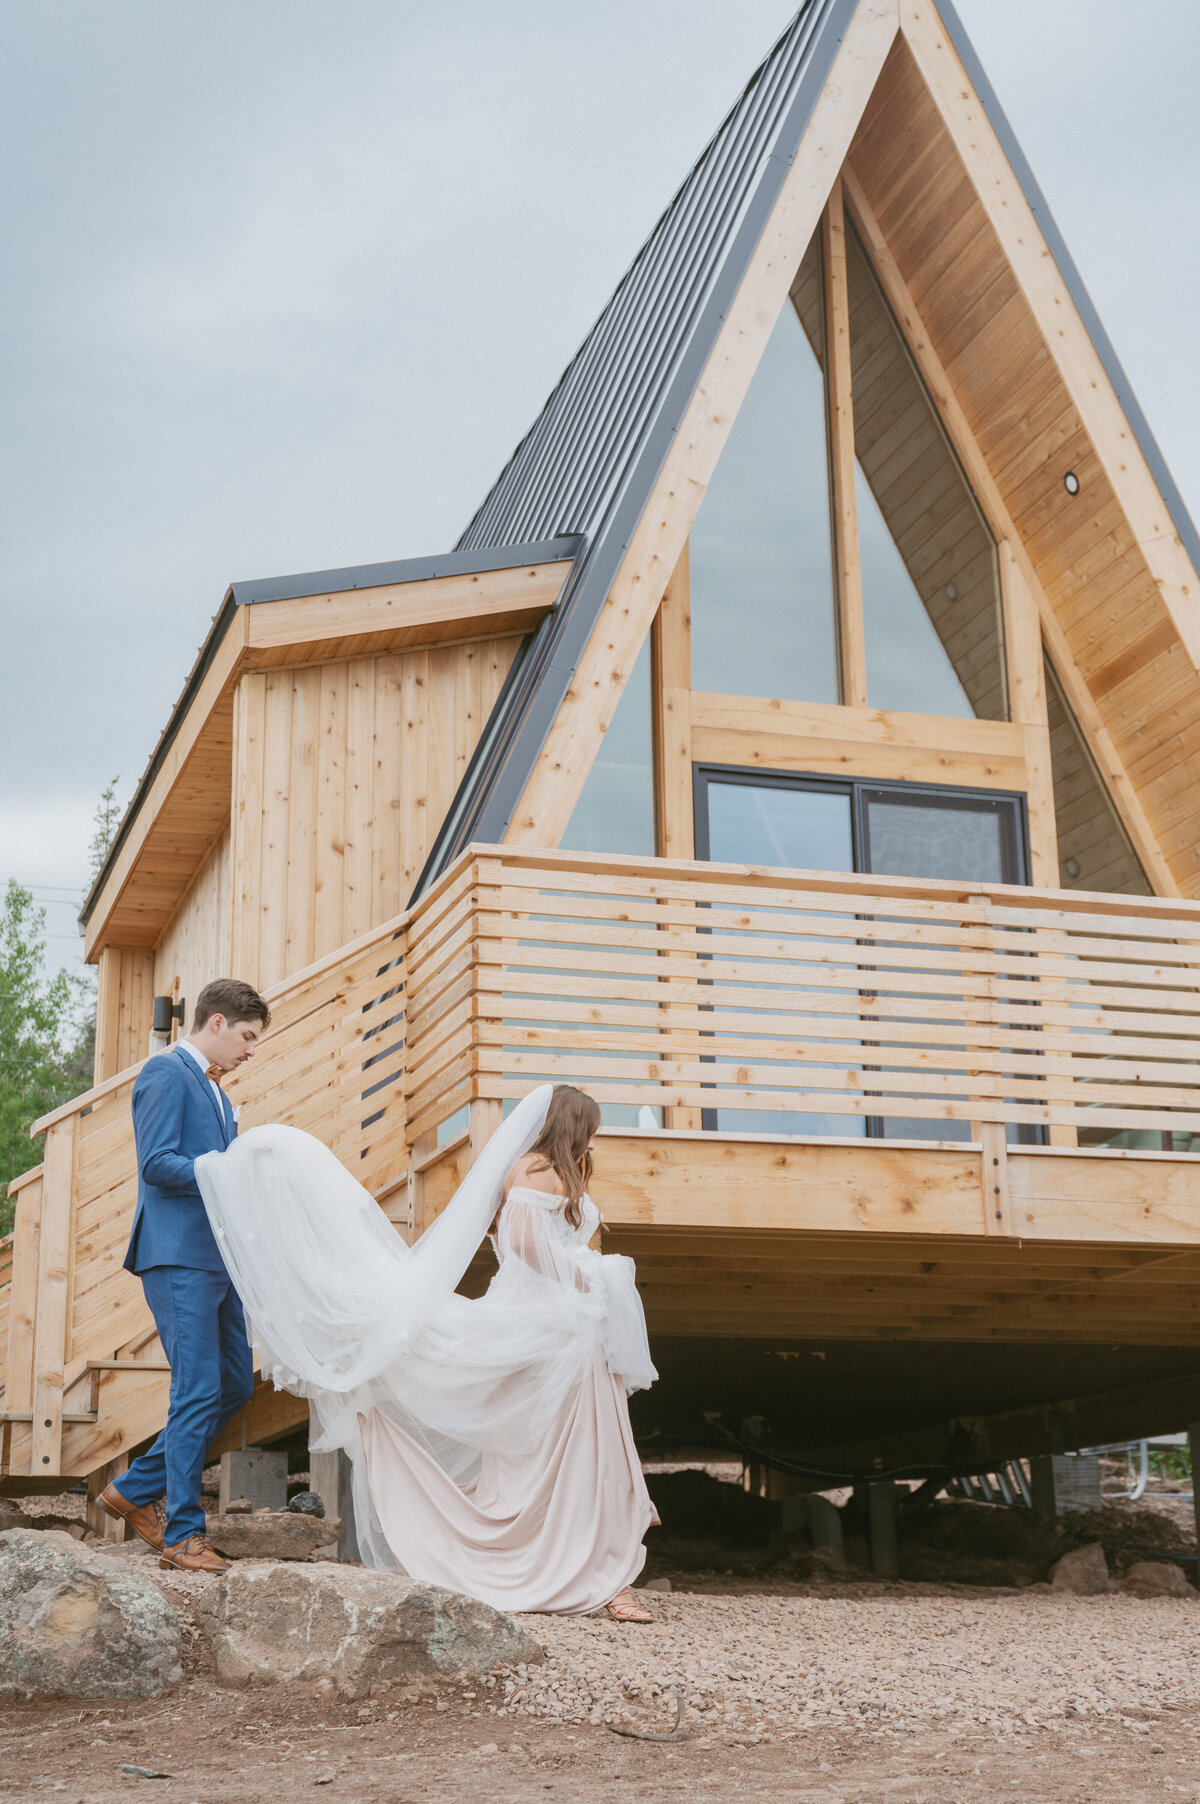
[342,772]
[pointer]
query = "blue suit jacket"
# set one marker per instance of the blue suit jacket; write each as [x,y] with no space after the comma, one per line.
[176,1117]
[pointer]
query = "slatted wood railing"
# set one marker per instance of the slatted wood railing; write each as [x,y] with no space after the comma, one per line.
[708,995]
[777,1000]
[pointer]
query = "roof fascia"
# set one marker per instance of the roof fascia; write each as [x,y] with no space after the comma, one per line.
[289,588]
[406,570]
[533,703]
[1181,519]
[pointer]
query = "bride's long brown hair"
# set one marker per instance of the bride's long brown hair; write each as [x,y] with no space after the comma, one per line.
[562,1146]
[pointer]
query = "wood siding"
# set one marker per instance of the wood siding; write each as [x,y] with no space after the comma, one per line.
[124,1007]
[196,945]
[343,773]
[1012,387]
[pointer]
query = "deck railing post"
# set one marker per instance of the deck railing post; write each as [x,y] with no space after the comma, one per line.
[23,1304]
[56,1256]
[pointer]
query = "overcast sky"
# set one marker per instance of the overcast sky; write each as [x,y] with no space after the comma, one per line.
[284,282]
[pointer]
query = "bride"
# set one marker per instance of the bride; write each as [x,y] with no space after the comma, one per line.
[490,1442]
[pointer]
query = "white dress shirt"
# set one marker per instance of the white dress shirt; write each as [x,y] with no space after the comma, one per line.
[189,1046]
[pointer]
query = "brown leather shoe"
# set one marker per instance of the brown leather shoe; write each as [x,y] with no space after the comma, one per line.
[193,1555]
[145,1519]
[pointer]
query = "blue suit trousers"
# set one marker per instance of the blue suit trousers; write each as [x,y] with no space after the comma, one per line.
[203,1332]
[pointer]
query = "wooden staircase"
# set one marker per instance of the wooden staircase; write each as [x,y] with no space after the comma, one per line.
[84,1377]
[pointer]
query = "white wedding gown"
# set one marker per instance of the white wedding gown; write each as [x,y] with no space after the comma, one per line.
[489,1437]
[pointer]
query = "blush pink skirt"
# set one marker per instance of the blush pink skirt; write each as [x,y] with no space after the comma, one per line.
[557,1529]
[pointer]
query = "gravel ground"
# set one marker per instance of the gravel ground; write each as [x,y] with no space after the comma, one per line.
[766,1666]
[908,1693]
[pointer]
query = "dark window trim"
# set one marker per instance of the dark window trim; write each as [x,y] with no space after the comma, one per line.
[1013,802]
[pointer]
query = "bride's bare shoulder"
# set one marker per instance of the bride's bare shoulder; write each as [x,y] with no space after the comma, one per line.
[530,1174]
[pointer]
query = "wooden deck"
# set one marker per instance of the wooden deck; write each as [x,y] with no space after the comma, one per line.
[684,989]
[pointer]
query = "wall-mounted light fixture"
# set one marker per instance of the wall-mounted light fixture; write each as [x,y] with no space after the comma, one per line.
[166,1011]
[1071,483]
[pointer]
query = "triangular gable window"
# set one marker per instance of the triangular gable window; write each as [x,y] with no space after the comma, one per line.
[930,573]
[763,600]
[762,605]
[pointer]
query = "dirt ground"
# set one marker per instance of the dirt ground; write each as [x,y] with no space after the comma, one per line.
[920,1692]
[231,1748]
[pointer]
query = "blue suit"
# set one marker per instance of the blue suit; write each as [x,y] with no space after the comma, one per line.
[177,1115]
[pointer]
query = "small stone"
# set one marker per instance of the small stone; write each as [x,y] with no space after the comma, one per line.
[1156,1578]
[658,1584]
[306,1503]
[269,1535]
[490,1747]
[239,1506]
[1083,1572]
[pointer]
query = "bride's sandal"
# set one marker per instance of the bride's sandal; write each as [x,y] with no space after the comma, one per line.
[622,1608]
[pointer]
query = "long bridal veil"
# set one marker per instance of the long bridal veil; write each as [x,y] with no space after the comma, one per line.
[342,1312]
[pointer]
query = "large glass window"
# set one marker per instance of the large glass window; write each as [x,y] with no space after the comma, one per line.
[761,560]
[615,810]
[894,829]
[930,575]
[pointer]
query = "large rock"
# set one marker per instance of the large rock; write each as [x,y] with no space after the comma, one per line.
[1083,1572]
[270,1535]
[356,1627]
[77,1624]
[1156,1578]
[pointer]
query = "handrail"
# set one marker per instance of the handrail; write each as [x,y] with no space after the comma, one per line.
[326,1066]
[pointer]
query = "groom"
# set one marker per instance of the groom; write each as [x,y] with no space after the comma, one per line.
[179,1112]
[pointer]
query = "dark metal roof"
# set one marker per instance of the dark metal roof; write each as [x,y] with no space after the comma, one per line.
[592,457]
[590,461]
[290,588]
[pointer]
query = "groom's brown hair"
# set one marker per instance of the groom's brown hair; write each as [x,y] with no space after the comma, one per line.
[230,997]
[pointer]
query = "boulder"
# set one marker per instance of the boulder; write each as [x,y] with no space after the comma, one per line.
[351,1627]
[269,1535]
[77,1624]
[1156,1578]
[1082,1572]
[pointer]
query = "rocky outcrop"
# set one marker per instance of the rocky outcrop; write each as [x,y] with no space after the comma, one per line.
[1083,1572]
[270,1535]
[78,1624]
[354,1627]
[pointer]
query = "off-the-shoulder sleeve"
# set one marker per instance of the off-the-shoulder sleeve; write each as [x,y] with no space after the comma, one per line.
[527,1232]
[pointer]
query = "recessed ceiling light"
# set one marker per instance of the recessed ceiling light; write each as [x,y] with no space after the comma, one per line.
[1071,483]
[1072,868]
[951,592]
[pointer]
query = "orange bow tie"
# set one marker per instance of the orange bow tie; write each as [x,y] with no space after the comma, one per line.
[216,1072]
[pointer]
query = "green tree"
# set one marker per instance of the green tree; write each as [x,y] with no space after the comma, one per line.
[37,1024]
[79,1063]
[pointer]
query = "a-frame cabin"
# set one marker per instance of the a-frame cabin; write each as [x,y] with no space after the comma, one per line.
[800,750]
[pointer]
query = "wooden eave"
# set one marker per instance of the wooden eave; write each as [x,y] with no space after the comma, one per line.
[183,802]
[1027,397]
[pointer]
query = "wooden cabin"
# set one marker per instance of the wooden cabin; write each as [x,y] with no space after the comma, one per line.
[799,750]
